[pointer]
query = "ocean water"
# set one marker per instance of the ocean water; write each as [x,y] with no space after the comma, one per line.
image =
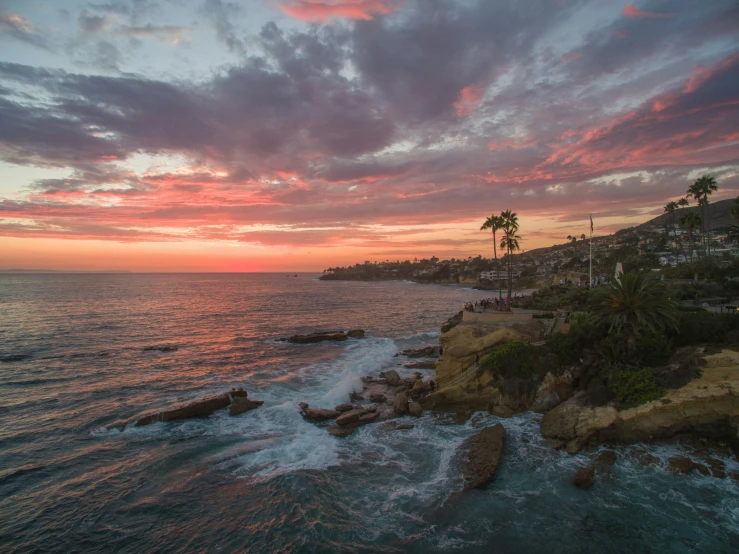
[73,360]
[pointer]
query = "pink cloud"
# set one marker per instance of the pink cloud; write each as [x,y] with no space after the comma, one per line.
[634,13]
[321,10]
[571,56]
[467,100]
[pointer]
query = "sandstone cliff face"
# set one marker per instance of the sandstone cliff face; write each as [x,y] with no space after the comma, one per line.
[708,405]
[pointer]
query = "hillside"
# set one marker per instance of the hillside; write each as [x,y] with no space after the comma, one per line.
[719,215]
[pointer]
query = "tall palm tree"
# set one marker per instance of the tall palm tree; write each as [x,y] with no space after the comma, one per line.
[703,187]
[510,243]
[670,210]
[495,223]
[683,203]
[691,221]
[634,303]
[583,237]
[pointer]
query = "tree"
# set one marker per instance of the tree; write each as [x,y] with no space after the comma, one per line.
[691,221]
[683,203]
[510,243]
[734,228]
[632,304]
[583,237]
[670,210]
[495,223]
[703,187]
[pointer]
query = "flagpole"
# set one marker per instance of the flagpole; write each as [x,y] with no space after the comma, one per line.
[591,251]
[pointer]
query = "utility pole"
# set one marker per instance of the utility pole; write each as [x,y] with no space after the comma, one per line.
[591,250]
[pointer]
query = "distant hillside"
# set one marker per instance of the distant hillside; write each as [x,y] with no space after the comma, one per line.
[719,215]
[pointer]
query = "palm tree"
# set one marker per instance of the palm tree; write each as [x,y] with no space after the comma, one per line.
[583,237]
[670,210]
[691,221]
[495,223]
[634,303]
[703,187]
[510,243]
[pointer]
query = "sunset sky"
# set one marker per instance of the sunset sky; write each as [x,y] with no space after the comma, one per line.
[293,135]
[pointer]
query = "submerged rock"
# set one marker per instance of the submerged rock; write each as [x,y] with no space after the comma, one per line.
[317,337]
[481,455]
[606,458]
[162,348]
[393,425]
[356,333]
[684,465]
[584,478]
[242,404]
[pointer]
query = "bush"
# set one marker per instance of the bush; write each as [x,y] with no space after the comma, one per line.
[705,327]
[653,348]
[633,387]
[514,359]
[565,347]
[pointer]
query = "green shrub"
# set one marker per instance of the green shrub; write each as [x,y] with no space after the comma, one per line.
[633,387]
[705,327]
[565,347]
[514,359]
[653,348]
[545,315]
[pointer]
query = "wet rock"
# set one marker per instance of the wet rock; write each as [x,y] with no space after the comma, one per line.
[320,414]
[369,417]
[242,404]
[198,408]
[584,478]
[415,409]
[317,337]
[556,444]
[400,404]
[426,364]
[355,397]
[161,348]
[238,393]
[356,333]
[606,458]
[481,455]
[717,467]
[377,397]
[352,416]
[342,431]
[684,465]
[344,408]
[425,352]
[502,411]
[572,447]
[392,377]
[545,403]
[303,405]
[393,425]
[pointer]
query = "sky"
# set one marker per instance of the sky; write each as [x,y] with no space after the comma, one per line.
[296,135]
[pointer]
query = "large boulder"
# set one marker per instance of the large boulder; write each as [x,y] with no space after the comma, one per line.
[400,403]
[481,454]
[584,478]
[242,404]
[352,416]
[392,377]
[320,414]
[344,408]
[415,409]
[377,397]
[317,337]
[198,408]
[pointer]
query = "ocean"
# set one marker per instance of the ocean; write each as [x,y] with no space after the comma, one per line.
[74,359]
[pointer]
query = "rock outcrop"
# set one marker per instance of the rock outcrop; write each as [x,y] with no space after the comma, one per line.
[400,403]
[481,455]
[321,336]
[242,404]
[319,414]
[708,406]
[392,377]
[426,352]
[200,408]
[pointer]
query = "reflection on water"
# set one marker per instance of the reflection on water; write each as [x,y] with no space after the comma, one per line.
[268,481]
